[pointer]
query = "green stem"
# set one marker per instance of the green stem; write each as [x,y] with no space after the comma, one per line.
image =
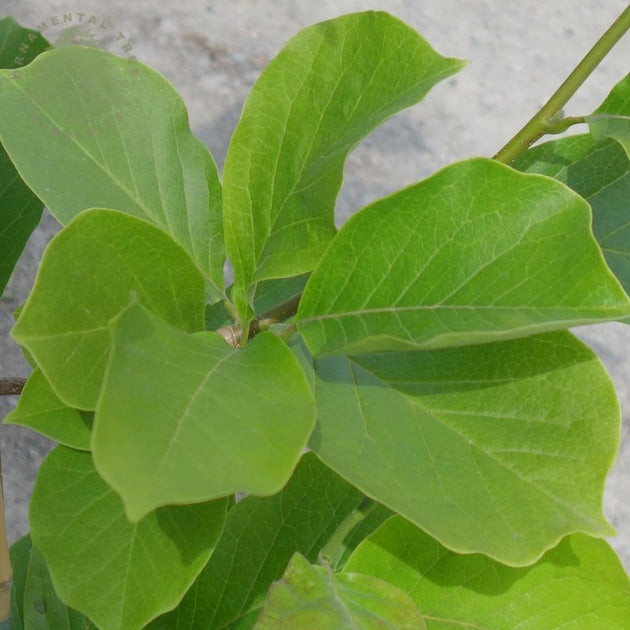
[540,122]
[332,550]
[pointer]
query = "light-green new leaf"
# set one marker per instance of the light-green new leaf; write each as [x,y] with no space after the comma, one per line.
[40,409]
[501,449]
[330,86]
[211,419]
[579,585]
[87,129]
[261,535]
[311,597]
[476,253]
[120,574]
[86,277]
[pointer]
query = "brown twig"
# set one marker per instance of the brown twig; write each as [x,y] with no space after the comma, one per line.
[11,385]
[275,315]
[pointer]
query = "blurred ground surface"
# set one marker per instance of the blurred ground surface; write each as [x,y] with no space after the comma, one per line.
[213,51]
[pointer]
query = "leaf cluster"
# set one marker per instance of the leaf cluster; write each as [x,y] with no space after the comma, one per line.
[459,436]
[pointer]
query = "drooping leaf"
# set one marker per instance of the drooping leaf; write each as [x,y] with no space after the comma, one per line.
[43,610]
[260,536]
[212,419]
[120,574]
[311,597]
[476,253]
[87,275]
[501,449]
[20,209]
[330,86]
[579,585]
[40,409]
[600,172]
[87,129]
[20,554]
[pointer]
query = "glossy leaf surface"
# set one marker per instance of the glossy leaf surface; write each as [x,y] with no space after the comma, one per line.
[120,574]
[261,535]
[476,253]
[64,322]
[330,86]
[311,597]
[501,449]
[211,419]
[114,134]
[579,585]
[40,409]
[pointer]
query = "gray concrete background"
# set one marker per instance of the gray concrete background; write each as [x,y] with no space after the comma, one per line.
[213,51]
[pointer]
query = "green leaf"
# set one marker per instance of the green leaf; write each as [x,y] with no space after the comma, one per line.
[20,554]
[372,521]
[86,277]
[311,597]
[43,610]
[40,409]
[600,172]
[476,253]
[20,209]
[330,86]
[87,129]
[617,103]
[19,45]
[616,127]
[501,449]
[120,574]
[220,419]
[579,585]
[260,536]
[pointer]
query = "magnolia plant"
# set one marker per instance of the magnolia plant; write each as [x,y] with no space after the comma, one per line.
[382,426]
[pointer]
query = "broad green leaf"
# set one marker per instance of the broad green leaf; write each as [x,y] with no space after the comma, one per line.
[501,449]
[87,275]
[211,419]
[476,253]
[261,535]
[87,129]
[120,574]
[579,585]
[311,597]
[43,610]
[40,409]
[20,209]
[330,86]
[600,172]
[20,554]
